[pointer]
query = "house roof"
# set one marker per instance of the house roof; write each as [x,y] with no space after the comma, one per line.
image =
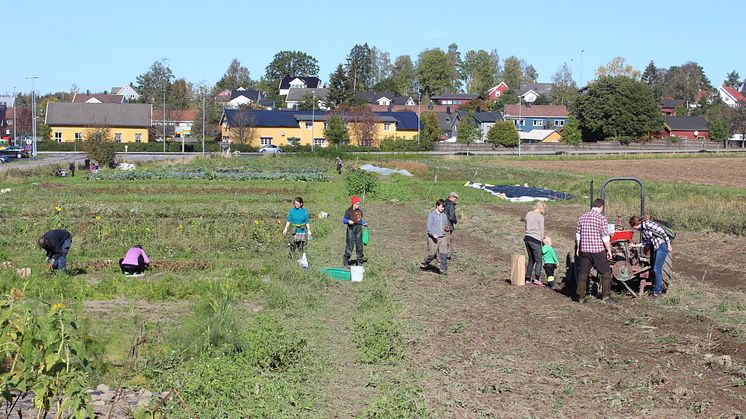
[455,96]
[7,100]
[543,89]
[311,82]
[734,93]
[686,123]
[81,98]
[405,120]
[672,103]
[536,111]
[298,95]
[98,114]
[188,115]
[492,89]
[445,120]
[373,97]
[535,134]
[485,117]
[252,94]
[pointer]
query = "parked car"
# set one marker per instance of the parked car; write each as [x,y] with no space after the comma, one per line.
[270,149]
[14,152]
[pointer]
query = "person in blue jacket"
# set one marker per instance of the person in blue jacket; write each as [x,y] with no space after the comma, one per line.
[57,244]
[353,219]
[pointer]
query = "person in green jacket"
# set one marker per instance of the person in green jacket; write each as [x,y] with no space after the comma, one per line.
[549,258]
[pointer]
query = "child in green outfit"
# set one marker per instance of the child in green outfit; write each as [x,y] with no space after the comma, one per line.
[549,257]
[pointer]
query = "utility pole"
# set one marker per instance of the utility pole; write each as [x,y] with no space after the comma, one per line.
[313,117]
[15,120]
[33,115]
[164,120]
[204,93]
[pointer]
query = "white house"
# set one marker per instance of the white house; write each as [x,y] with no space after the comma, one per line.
[127,91]
[731,96]
[289,82]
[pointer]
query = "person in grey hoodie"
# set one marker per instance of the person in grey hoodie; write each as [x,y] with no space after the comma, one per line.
[437,244]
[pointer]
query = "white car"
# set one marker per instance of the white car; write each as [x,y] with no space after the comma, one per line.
[270,149]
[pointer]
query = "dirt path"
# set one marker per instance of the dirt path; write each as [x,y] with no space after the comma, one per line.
[484,347]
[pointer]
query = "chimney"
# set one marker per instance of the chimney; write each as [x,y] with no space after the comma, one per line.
[479,109]
[448,109]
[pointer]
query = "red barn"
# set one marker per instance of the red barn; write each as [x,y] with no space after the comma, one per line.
[686,127]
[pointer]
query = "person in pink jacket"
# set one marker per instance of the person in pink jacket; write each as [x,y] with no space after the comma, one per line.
[135,261]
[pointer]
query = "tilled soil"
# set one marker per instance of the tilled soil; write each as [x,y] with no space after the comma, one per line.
[483,347]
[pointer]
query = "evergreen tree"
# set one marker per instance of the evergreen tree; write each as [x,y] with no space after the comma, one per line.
[152,84]
[235,76]
[360,67]
[719,130]
[429,127]
[733,79]
[454,59]
[571,132]
[403,75]
[512,73]
[653,77]
[339,88]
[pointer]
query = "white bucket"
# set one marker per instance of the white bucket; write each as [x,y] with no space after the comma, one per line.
[356,273]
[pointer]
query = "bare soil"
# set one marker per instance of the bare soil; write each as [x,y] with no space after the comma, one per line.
[483,347]
[720,171]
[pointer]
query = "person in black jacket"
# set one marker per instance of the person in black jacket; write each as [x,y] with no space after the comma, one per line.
[57,244]
[450,212]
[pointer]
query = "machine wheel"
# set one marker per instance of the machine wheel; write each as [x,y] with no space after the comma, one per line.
[668,271]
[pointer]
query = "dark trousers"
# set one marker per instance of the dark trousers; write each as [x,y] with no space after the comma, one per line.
[60,262]
[354,240]
[133,269]
[598,261]
[549,269]
[534,260]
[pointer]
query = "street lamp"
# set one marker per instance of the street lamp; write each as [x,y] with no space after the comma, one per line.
[313,116]
[33,117]
[581,67]
[15,120]
[419,115]
[204,93]
[164,120]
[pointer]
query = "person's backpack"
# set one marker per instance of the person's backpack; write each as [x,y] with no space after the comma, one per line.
[670,232]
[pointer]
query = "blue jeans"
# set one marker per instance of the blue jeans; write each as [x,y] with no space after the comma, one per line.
[661,253]
[61,262]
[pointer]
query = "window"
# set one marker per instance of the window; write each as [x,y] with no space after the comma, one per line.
[265,141]
[446,102]
[58,137]
[321,142]
[78,136]
[325,126]
[309,125]
[521,122]
[118,137]
[538,122]
[387,126]
[366,143]
[457,102]
[559,122]
[138,137]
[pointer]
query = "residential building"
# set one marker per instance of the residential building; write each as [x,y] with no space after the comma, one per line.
[296,96]
[304,127]
[127,91]
[242,96]
[668,106]
[178,122]
[289,82]
[529,92]
[98,98]
[386,99]
[540,136]
[686,127]
[447,123]
[731,96]
[127,123]
[454,100]
[495,92]
[484,120]
[527,117]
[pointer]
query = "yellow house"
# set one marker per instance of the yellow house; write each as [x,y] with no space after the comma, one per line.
[127,123]
[262,127]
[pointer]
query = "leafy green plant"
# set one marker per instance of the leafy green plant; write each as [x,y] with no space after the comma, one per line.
[360,182]
[44,354]
[397,403]
[378,338]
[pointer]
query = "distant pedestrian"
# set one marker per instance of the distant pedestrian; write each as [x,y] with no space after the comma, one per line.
[437,243]
[549,257]
[298,219]
[450,211]
[72,169]
[593,248]
[353,219]
[135,261]
[532,240]
[339,165]
[87,164]
[57,244]
[654,237]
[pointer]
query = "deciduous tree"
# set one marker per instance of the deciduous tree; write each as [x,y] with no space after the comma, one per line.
[289,63]
[512,73]
[686,81]
[99,146]
[719,130]
[336,131]
[468,132]
[435,72]
[617,67]
[503,133]
[152,84]
[454,59]
[479,71]
[244,125]
[530,75]
[180,95]
[235,76]
[403,75]
[564,88]
[363,124]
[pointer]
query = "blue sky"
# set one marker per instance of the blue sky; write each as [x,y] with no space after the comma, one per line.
[100,44]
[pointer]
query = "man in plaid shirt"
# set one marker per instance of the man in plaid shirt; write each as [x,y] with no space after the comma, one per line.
[593,249]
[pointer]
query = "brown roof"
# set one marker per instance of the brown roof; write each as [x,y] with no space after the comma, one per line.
[550,111]
[98,114]
[80,98]
[175,115]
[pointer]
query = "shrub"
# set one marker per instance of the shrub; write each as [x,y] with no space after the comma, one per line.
[360,182]
[99,146]
[390,143]
[503,133]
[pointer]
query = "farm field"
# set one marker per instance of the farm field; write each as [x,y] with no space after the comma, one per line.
[226,325]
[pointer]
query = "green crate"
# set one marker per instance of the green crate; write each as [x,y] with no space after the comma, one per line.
[336,273]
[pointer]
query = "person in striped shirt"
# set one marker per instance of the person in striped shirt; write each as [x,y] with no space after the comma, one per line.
[654,236]
[593,249]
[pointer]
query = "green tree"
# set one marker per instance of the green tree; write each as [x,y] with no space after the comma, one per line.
[403,75]
[152,84]
[507,98]
[435,72]
[468,132]
[719,130]
[99,146]
[454,59]
[336,131]
[339,88]
[733,79]
[571,132]
[360,67]
[385,85]
[503,133]
[617,106]
[617,67]
[382,66]
[479,71]
[654,77]
[512,73]
[429,127]
[686,81]
[564,88]
[289,63]
[180,95]
[235,76]
[530,75]
[309,102]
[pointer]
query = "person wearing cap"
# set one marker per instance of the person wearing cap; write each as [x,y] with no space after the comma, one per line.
[450,211]
[353,219]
